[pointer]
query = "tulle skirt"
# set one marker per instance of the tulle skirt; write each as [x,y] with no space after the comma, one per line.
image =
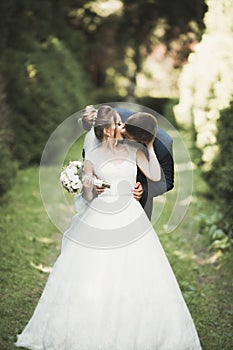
[126,298]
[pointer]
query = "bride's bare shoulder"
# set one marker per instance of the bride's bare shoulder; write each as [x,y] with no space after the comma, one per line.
[92,154]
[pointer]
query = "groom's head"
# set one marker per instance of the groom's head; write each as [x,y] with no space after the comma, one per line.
[141,127]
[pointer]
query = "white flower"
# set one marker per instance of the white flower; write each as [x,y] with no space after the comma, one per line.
[64,178]
[71,177]
[73,169]
[76,163]
[69,172]
[77,185]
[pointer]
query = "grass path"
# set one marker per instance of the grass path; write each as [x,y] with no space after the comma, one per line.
[30,243]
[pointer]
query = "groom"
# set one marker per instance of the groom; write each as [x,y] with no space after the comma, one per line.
[163,150]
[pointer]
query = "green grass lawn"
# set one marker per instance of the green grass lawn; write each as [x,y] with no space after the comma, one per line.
[30,244]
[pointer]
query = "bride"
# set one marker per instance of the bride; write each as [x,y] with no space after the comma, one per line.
[112,287]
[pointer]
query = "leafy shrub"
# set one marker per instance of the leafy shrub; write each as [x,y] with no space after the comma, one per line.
[168,110]
[163,106]
[157,104]
[8,166]
[43,87]
[213,227]
[220,177]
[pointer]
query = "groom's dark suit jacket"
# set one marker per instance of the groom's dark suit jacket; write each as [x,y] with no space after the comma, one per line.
[163,151]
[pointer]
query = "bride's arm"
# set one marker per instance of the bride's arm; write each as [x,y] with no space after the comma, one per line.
[87,180]
[150,167]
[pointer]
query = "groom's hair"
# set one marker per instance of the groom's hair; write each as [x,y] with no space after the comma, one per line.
[141,126]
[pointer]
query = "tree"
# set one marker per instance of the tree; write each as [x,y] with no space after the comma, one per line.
[120,40]
[144,24]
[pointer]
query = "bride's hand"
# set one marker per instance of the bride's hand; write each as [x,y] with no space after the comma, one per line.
[87,181]
[149,144]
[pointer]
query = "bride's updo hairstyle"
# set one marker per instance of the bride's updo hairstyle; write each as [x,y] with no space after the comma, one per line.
[88,116]
[99,118]
[142,127]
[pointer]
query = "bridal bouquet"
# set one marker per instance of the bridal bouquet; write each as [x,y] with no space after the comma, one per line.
[71,178]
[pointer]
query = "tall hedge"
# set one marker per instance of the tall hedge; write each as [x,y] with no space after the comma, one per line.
[44,86]
[206,83]
[220,177]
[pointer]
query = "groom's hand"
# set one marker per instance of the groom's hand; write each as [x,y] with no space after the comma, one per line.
[99,190]
[137,191]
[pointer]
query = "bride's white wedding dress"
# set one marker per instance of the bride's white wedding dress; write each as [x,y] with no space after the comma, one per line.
[115,290]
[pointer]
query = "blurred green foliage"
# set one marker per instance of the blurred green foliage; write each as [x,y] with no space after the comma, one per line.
[163,106]
[42,65]
[146,22]
[56,55]
[220,176]
[8,166]
[43,88]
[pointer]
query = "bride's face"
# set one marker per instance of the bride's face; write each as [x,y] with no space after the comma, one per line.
[119,125]
[114,131]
